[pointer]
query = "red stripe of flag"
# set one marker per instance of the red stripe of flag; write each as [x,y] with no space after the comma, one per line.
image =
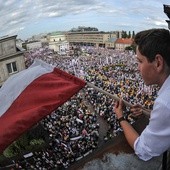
[42,96]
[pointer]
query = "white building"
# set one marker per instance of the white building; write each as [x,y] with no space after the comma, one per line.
[58,43]
[33,45]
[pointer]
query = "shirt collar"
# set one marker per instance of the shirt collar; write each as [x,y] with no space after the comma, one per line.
[165,85]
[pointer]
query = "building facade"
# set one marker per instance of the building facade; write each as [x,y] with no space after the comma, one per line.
[11,58]
[93,38]
[58,43]
[33,45]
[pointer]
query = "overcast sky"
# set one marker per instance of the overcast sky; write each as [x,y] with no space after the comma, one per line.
[30,17]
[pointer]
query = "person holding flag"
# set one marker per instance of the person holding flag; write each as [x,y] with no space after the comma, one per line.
[153,55]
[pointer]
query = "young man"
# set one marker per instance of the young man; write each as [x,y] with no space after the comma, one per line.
[153,55]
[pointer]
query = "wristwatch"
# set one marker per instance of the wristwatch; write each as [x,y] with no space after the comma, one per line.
[121,119]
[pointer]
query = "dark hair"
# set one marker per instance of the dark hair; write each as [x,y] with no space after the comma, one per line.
[152,42]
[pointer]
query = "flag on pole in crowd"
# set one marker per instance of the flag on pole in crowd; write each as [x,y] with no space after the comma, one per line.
[30,95]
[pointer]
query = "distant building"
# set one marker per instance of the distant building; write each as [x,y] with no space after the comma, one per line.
[119,34]
[167,12]
[37,37]
[122,43]
[110,44]
[44,41]
[36,41]
[33,45]
[11,58]
[57,42]
[90,38]
[19,43]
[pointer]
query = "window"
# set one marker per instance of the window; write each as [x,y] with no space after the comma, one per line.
[12,67]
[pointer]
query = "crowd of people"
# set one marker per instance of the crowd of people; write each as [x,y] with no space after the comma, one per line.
[73,128]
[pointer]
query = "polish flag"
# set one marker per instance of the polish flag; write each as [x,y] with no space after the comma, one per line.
[30,95]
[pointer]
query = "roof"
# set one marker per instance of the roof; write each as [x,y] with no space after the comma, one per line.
[113,39]
[7,37]
[124,41]
[20,48]
[57,33]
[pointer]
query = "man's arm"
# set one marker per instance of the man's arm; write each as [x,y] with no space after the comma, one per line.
[129,132]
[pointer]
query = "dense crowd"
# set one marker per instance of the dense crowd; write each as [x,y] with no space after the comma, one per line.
[73,128]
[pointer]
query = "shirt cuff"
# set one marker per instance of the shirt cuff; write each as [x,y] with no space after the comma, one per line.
[141,151]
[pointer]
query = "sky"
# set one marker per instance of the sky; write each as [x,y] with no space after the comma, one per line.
[26,18]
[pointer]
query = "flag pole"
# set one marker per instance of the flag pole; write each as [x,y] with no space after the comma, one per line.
[115,97]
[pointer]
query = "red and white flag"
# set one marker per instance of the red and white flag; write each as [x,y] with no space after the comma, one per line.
[30,95]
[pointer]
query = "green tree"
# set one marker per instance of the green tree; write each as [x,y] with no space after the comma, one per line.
[128,48]
[124,34]
[133,34]
[11,151]
[22,142]
[129,35]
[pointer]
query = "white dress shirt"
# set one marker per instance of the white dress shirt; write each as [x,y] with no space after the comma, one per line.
[155,139]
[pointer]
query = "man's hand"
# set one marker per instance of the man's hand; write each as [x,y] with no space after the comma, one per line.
[118,108]
[136,110]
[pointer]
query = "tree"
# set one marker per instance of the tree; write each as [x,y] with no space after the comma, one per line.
[129,35]
[132,47]
[124,34]
[128,48]
[133,34]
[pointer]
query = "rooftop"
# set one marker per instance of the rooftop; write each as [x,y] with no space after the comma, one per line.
[124,40]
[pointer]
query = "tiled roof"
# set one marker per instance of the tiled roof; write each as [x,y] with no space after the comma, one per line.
[124,41]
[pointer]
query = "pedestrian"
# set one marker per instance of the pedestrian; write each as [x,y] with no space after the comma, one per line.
[153,55]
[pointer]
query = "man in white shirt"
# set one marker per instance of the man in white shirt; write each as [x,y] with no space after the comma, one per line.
[153,55]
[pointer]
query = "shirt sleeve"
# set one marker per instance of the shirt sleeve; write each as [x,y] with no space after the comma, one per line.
[155,139]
